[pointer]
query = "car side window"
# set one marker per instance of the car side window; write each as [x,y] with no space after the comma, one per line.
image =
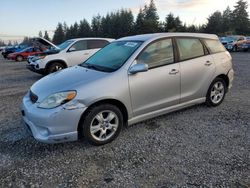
[214,46]
[189,48]
[79,45]
[94,44]
[157,54]
[29,50]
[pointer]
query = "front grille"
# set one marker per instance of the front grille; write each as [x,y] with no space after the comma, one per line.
[33,97]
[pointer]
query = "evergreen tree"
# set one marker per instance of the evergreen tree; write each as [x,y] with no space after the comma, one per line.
[214,24]
[192,29]
[40,34]
[65,30]
[240,17]
[106,26]
[2,43]
[46,36]
[27,40]
[96,26]
[74,31]
[227,20]
[151,18]
[9,43]
[59,35]
[178,24]
[170,23]
[139,23]
[84,29]
[122,23]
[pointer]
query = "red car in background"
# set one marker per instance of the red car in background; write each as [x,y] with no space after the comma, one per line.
[246,44]
[23,54]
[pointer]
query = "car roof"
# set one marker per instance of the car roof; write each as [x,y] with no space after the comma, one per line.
[89,38]
[153,36]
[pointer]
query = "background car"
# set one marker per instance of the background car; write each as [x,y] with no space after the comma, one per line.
[2,48]
[23,54]
[12,49]
[37,42]
[246,44]
[233,43]
[67,54]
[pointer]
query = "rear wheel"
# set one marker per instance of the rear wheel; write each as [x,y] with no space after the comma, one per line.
[19,58]
[102,124]
[216,92]
[54,67]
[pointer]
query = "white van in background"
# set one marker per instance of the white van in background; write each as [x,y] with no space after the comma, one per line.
[69,53]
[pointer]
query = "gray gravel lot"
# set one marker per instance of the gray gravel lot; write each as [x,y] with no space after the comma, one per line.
[195,147]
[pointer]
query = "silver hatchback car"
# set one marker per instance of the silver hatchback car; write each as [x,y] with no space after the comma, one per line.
[130,80]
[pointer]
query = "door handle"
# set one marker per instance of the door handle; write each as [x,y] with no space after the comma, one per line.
[173,71]
[208,63]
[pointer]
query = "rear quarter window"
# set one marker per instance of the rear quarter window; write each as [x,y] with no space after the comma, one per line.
[214,46]
[93,44]
[189,48]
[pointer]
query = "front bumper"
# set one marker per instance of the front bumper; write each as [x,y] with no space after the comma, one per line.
[32,68]
[52,125]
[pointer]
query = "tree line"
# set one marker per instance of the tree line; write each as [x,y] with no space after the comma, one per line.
[122,23]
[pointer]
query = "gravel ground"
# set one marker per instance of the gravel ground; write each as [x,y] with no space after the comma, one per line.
[195,147]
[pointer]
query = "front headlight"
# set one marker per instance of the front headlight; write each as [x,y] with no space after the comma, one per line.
[41,57]
[57,99]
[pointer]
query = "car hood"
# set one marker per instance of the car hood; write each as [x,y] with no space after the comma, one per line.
[50,52]
[67,79]
[13,54]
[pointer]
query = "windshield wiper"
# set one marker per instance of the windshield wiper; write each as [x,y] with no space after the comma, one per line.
[97,67]
[89,66]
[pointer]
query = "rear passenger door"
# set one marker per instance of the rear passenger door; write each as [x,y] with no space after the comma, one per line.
[197,68]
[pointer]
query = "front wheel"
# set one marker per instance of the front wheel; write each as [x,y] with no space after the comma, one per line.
[102,124]
[216,92]
[54,67]
[19,58]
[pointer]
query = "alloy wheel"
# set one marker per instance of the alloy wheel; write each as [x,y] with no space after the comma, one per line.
[104,125]
[217,92]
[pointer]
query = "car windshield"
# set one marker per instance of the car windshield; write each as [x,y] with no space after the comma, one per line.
[65,44]
[231,38]
[112,56]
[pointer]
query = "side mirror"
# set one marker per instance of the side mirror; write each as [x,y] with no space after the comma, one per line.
[72,49]
[139,67]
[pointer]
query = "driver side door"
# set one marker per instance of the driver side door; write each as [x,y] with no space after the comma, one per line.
[76,54]
[159,87]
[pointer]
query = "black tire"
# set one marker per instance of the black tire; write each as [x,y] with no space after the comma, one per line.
[54,67]
[19,58]
[235,48]
[209,98]
[90,117]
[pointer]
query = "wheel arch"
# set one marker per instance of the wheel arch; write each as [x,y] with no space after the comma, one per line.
[56,61]
[114,102]
[19,55]
[225,78]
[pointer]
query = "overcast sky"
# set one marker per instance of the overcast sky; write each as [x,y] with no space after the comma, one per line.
[20,18]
